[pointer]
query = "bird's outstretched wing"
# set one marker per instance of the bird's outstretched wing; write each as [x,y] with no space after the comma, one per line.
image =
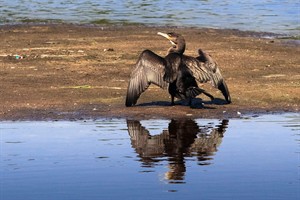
[149,68]
[136,130]
[205,69]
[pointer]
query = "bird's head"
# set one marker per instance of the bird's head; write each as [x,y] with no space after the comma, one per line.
[177,41]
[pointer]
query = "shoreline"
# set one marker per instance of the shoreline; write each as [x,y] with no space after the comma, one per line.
[116,25]
[53,116]
[66,72]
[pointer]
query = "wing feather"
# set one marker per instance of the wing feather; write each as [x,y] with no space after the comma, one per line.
[136,130]
[150,68]
[205,69]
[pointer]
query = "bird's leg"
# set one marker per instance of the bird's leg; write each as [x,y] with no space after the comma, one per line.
[172,100]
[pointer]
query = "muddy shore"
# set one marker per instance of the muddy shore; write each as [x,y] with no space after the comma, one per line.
[69,72]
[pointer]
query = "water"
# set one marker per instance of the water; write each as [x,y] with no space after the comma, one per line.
[254,158]
[276,16]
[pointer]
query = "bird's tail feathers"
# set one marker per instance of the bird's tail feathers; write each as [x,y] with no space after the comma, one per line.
[192,92]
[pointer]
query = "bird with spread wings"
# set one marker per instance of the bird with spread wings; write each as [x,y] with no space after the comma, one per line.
[176,71]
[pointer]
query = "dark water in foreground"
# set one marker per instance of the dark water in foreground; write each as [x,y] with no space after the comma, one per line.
[276,16]
[250,158]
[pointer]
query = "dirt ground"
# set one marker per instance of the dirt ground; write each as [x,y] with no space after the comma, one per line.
[69,72]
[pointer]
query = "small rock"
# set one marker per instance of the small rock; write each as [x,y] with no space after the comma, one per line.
[17,57]
[109,49]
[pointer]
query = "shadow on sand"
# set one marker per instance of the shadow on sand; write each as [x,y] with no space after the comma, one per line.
[197,103]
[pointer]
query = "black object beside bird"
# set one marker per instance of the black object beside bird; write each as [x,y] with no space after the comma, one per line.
[176,71]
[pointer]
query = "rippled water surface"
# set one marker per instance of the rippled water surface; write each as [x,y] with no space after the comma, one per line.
[277,16]
[250,158]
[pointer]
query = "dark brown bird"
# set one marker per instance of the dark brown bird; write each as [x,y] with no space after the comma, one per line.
[176,71]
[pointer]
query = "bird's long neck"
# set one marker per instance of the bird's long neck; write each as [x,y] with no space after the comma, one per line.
[178,48]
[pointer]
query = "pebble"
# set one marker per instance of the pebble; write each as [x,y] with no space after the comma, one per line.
[109,49]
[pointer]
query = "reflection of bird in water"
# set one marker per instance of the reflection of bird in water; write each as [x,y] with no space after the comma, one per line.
[184,138]
[177,71]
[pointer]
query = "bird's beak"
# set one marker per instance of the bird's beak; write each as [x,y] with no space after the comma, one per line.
[165,35]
